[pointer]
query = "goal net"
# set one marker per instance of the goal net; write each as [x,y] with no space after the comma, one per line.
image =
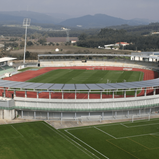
[104,68]
[90,118]
[140,117]
[90,68]
[127,69]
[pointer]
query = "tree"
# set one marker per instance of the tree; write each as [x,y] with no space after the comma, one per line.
[42,41]
[14,44]
[27,54]
[82,36]
[29,43]
[22,44]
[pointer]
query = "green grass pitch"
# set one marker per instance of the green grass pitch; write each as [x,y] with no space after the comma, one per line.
[138,140]
[88,76]
[37,140]
[124,140]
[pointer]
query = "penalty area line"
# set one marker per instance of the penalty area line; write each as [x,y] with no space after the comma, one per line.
[124,125]
[87,145]
[105,132]
[16,130]
[125,136]
[140,125]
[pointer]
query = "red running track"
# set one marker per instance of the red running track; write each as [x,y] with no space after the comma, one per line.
[24,76]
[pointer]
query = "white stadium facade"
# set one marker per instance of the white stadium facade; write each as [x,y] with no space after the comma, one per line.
[75,108]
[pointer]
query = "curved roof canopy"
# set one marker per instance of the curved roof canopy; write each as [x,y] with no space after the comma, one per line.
[77,87]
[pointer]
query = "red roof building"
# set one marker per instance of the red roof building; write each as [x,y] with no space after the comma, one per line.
[122,43]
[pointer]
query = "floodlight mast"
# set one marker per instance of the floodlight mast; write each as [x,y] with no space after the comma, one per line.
[68,37]
[26,23]
[67,33]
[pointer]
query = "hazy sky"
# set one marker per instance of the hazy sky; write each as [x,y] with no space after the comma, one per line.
[127,9]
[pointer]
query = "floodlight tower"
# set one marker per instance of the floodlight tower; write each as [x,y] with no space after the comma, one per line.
[26,23]
[68,37]
[67,33]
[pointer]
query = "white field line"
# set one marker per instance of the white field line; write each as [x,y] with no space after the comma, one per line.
[103,125]
[16,130]
[107,125]
[72,141]
[137,135]
[126,136]
[124,125]
[78,128]
[140,75]
[139,125]
[142,121]
[87,145]
[105,132]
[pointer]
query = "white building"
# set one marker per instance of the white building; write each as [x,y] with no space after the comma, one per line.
[57,50]
[145,56]
[73,41]
[110,46]
[116,45]
[1,45]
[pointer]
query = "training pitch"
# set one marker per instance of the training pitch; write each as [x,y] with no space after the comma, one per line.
[120,140]
[88,76]
[124,140]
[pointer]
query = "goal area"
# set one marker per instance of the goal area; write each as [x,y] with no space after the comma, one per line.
[140,117]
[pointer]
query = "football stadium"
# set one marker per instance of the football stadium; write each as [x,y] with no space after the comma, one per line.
[80,88]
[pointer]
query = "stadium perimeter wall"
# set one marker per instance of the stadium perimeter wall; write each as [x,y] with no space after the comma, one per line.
[72,109]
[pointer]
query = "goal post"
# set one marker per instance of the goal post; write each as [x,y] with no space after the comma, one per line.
[90,118]
[141,117]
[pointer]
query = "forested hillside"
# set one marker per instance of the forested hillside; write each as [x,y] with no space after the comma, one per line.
[140,38]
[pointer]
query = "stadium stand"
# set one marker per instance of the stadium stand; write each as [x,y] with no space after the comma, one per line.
[143,65]
[6,69]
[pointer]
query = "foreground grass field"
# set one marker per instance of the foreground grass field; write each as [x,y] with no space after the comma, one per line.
[119,141]
[114,141]
[88,76]
[36,140]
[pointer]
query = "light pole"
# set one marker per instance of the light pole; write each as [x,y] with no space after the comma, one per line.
[68,37]
[26,23]
[67,33]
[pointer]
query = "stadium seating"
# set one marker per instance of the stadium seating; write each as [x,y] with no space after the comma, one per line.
[132,64]
[6,69]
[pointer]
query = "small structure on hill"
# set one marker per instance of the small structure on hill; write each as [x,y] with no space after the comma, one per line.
[57,49]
